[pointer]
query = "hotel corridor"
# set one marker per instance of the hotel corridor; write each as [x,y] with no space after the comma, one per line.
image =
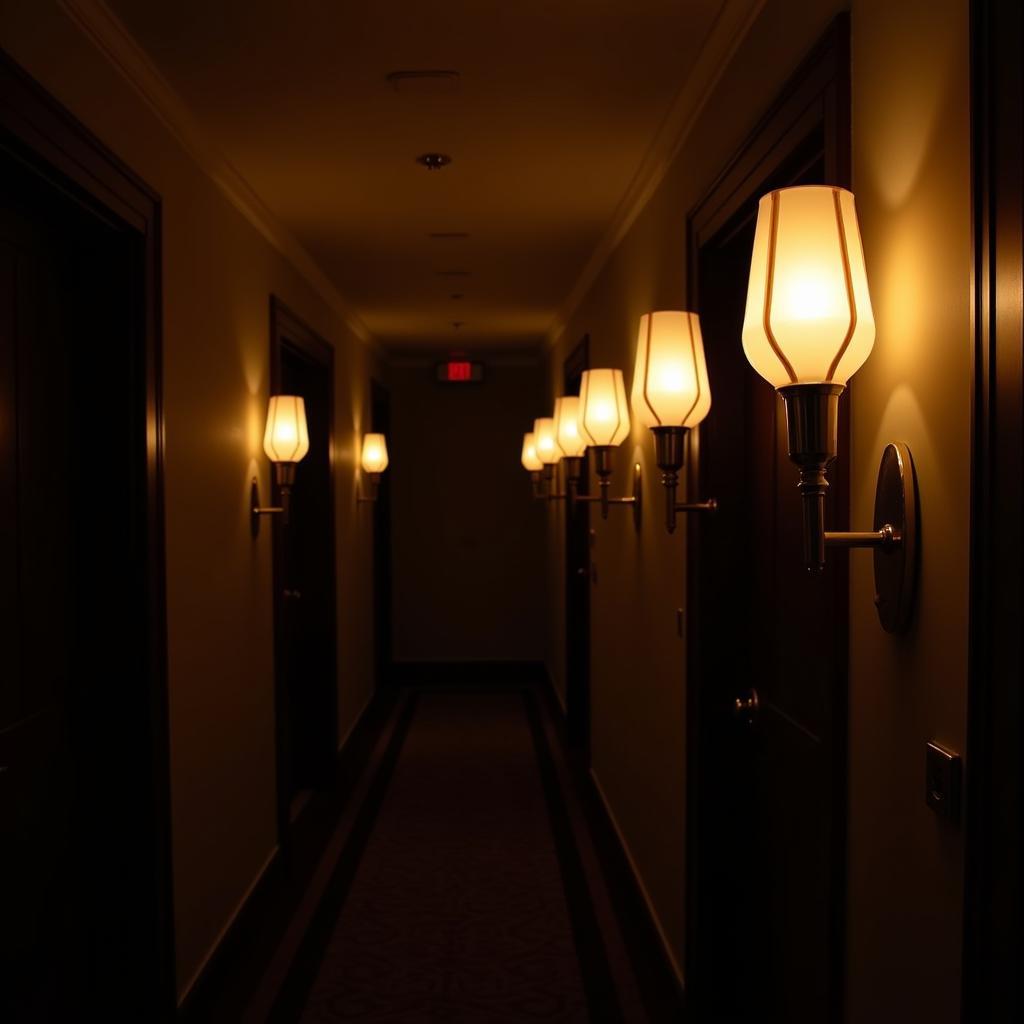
[462,883]
[511,512]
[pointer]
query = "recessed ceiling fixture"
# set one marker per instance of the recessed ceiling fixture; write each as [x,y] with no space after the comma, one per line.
[426,82]
[447,235]
[434,161]
[456,295]
[452,273]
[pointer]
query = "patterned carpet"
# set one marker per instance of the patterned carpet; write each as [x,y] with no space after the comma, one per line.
[468,899]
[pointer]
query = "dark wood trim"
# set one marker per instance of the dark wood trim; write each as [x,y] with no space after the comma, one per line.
[37,130]
[289,331]
[816,99]
[994,901]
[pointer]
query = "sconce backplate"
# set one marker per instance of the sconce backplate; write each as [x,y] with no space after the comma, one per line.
[896,565]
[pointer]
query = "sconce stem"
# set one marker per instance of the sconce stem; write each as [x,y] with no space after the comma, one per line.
[374,488]
[813,487]
[537,482]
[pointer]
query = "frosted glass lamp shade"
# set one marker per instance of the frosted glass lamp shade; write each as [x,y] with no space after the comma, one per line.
[808,317]
[567,430]
[529,457]
[545,442]
[375,453]
[604,414]
[287,437]
[670,377]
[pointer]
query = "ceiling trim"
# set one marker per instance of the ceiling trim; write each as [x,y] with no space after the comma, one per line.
[110,36]
[731,27]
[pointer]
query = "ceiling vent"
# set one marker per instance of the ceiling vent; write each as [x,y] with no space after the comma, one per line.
[431,82]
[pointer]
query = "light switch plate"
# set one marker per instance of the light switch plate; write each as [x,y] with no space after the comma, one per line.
[942,782]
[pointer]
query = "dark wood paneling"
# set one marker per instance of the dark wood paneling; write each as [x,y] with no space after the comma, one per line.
[784,779]
[994,904]
[40,134]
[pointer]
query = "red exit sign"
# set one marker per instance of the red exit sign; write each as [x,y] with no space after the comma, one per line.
[460,371]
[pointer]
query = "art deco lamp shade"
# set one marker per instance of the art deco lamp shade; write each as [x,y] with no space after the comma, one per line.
[286,438]
[530,460]
[544,441]
[603,414]
[567,431]
[670,378]
[808,318]
[375,453]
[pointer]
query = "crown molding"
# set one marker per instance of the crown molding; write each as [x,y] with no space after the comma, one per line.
[731,27]
[110,36]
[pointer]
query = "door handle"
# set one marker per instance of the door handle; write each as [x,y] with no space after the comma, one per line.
[582,572]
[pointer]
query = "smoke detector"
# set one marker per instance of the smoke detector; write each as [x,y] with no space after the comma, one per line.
[434,161]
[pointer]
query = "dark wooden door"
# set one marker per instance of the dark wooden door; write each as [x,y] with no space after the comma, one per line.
[77,857]
[577,585]
[380,423]
[767,789]
[305,574]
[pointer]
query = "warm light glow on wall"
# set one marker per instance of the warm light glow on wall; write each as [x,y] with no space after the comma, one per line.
[670,377]
[286,438]
[604,414]
[529,456]
[808,318]
[375,453]
[544,439]
[567,432]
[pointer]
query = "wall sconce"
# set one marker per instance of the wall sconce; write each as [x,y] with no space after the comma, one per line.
[547,449]
[374,461]
[570,443]
[671,394]
[808,327]
[286,442]
[603,423]
[533,464]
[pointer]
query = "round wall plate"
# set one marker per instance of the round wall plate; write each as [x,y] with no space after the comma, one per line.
[896,566]
[638,496]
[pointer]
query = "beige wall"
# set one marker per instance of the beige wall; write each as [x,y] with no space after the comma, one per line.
[218,275]
[467,537]
[911,176]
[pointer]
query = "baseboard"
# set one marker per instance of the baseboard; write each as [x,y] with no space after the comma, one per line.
[223,981]
[654,963]
[467,673]
[241,920]
[638,881]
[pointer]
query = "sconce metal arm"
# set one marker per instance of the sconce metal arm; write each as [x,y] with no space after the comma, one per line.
[604,472]
[885,538]
[669,448]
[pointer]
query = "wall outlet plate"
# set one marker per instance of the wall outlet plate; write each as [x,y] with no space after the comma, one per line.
[942,782]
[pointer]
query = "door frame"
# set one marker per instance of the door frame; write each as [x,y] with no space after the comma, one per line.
[36,129]
[816,97]
[383,621]
[577,697]
[289,331]
[993,895]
